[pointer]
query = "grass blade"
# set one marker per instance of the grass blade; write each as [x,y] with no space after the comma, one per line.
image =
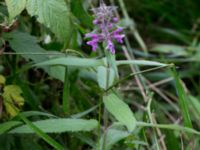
[8,125]
[168,127]
[41,134]
[139,62]
[72,61]
[182,99]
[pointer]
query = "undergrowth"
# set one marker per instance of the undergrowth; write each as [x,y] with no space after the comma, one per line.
[138,88]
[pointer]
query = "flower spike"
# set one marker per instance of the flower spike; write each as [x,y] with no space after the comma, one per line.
[106,29]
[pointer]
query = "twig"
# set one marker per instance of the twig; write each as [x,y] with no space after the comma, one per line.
[154,88]
[133,74]
[160,134]
[151,119]
[136,77]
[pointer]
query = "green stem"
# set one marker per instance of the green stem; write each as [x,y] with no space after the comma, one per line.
[105,128]
[151,120]
[109,64]
[99,127]
[66,99]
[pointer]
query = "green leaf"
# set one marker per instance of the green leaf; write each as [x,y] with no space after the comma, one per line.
[120,110]
[1,68]
[168,127]
[171,140]
[174,33]
[12,99]
[84,113]
[25,43]
[102,73]
[72,61]
[15,7]
[8,125]
[113,136]
[182,99]
[176,50]
[59,126]
[3,12]
[2,80]
[139,62]
[80,13]
[36,113]
[41,134]
[195,104]
[27,46]
[54,14]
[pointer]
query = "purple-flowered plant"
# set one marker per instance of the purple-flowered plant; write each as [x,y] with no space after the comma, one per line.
[106,29]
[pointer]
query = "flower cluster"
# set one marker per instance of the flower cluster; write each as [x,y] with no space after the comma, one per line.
[106,29]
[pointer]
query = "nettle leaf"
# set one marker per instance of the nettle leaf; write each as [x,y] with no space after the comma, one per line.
[54,14]
[59,126]
[15,7]
[120,110]
[12,99]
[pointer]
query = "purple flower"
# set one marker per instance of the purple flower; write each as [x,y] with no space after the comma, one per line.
[111,47]
[106,29]
[117,36]
[93,43]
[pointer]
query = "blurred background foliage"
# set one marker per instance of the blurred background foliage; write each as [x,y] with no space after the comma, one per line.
[168,30]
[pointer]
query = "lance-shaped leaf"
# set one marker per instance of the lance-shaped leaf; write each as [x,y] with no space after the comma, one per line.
[8,125]
[59,126]
[120,110]
[140,63]
[72,61]
[102,77]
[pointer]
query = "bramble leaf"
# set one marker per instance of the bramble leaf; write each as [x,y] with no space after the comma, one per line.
[15,7]
[54,14]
